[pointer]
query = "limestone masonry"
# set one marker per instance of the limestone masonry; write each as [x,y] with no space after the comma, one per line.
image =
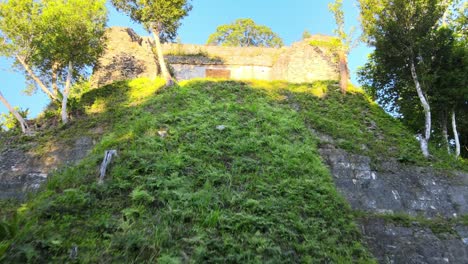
[128,56]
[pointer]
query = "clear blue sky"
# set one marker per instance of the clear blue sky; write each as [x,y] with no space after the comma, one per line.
[288,18]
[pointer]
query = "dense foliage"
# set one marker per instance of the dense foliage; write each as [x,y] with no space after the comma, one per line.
[163,16]
[418,45]
[53,41]
[245,33]
[9,122]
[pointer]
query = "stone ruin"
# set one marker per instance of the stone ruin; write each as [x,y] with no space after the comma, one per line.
[126,56]
[129,56]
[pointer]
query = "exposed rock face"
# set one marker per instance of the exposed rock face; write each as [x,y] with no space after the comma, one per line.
[130,56]
[22,171]
[391,243]
[126,56]
[398,188]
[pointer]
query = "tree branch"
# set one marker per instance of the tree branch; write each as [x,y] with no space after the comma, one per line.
[36,79]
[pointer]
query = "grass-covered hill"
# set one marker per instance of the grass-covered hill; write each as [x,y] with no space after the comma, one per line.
[237,179]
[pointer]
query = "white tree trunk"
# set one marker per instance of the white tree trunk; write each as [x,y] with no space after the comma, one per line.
[424,139]
[66,92]
[36,79]
[24,125]
[54,80]
[445,132]
[162,63]
[455,134]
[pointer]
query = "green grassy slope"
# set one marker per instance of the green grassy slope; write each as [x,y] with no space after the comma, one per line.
[253,192]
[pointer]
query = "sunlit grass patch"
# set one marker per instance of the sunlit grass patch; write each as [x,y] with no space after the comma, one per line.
[99,106]
[143,89]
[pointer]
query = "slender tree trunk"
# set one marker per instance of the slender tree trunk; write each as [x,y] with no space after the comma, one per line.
[424,140]
[455,134]
[162,63]
[66,92]
[54,80]
[445,131]
[344,72]
[36,79]
[24,125]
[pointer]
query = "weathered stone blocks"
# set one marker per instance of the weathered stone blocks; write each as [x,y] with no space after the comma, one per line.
[129,56]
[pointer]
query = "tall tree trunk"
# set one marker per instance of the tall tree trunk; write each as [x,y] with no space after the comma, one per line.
[36,79]
[55,88]
[445,131]
[66,92]
[162,63]
[455,134]
[24,125]
[424,140]
[344,72]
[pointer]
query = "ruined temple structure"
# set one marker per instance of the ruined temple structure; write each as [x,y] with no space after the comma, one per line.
[129,56]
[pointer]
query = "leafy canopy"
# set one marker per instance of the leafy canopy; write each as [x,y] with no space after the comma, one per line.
[401,32]
[9,122]
[52,32]
[428,33]
[162,16]
[244,33]
[17,26]
[72,30]
[346,39]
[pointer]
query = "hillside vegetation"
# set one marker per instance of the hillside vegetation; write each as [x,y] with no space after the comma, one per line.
[237,179]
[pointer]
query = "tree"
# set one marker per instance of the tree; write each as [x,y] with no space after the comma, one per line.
[245,33]
[161,18]
[73,41]
[346,42]
[53,40]
[306,34]
[402,33]
[18,25]
[450,72]
[16,114]
[460,27]
[459,75]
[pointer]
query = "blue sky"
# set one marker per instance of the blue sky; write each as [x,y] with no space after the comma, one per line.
[287,18]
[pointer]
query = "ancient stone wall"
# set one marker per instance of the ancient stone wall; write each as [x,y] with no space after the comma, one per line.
[23,171]
[128,56]
[305,63]
[258,56]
